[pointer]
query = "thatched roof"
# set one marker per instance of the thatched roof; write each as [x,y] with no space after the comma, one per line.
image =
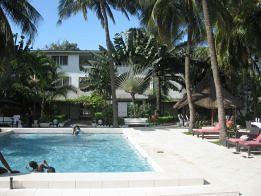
[205,96]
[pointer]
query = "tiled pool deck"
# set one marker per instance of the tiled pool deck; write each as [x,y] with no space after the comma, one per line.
[182,164]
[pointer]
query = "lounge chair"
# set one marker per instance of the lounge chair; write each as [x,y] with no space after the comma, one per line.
[207,131]
[250,145]
[235,141]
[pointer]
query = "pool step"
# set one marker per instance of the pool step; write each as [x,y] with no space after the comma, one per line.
[92,181]
[199,190]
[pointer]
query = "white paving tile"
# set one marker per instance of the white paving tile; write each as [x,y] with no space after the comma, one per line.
[48,192]
[20,192]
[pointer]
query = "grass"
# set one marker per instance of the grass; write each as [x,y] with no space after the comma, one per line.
[218,142]
[188,133]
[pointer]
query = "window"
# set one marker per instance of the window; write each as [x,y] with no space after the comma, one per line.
[55,59]
[65,81]
[60,60]
[82,82]
[63,60]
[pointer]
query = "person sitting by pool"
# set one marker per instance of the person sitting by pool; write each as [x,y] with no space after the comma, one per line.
[76,130]
[6,167]
[40,168]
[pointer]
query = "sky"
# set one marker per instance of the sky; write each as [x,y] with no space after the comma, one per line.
[87,34]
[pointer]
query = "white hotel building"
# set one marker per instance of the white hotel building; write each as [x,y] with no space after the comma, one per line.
[71,63]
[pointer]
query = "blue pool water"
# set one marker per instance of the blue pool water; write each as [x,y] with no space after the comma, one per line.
[67,153]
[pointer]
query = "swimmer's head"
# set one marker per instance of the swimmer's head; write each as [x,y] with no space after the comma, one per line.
[51,170]
[33,165]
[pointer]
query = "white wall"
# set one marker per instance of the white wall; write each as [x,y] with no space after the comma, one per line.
[72,69]
[73,64]
[122,109]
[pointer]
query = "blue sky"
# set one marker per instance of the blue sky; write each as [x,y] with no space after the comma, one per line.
[88,35]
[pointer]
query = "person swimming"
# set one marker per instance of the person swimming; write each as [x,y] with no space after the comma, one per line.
[6,167]
[76,130]
[40,168]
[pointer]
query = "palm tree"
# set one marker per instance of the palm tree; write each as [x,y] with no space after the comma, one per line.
[238,45]
[99,75]
[167,19]
[137,48]
[214,67]
[21,13]
[102,8]
[44,80]
[135,81]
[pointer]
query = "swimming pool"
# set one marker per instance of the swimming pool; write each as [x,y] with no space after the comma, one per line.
[67,153]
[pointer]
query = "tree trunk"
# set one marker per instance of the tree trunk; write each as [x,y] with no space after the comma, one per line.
[187,80]
[158,94]
[42,107]
[133,98]
[133,103]
[214,67]
[111,67]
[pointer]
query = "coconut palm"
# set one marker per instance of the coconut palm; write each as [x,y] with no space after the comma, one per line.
[103,10]
[168,19]
[214,67]
[22,14]
[238,44]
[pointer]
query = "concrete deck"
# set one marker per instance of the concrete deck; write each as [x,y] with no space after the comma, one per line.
[217,164]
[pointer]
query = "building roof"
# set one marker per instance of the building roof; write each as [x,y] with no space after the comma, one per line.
[121,95]
[67,51]
[205,96]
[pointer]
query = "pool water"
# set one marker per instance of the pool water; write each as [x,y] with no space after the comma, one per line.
[67,153]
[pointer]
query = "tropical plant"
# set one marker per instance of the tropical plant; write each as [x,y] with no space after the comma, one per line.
[214,67]
[94,101]
[135,81]
[237,41]
[139,111]
[137,48]
[98,77]
[169,19]
[21,13]
[65,45]
[44,82]
[103,10]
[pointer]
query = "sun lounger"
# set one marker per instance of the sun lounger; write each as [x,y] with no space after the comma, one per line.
[235,141]
[136,121]
[206,131]
[250,145]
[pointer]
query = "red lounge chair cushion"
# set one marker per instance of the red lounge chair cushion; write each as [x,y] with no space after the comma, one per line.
[208,131]
[258,139]
[250,143]
[234,140]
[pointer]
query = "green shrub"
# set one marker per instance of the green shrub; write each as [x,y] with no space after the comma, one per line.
[165,119]
[99,116]
[139,111]
[61,117]
[121,121]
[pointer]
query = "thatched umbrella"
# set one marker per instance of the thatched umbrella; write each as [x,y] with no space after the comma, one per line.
[205,96]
